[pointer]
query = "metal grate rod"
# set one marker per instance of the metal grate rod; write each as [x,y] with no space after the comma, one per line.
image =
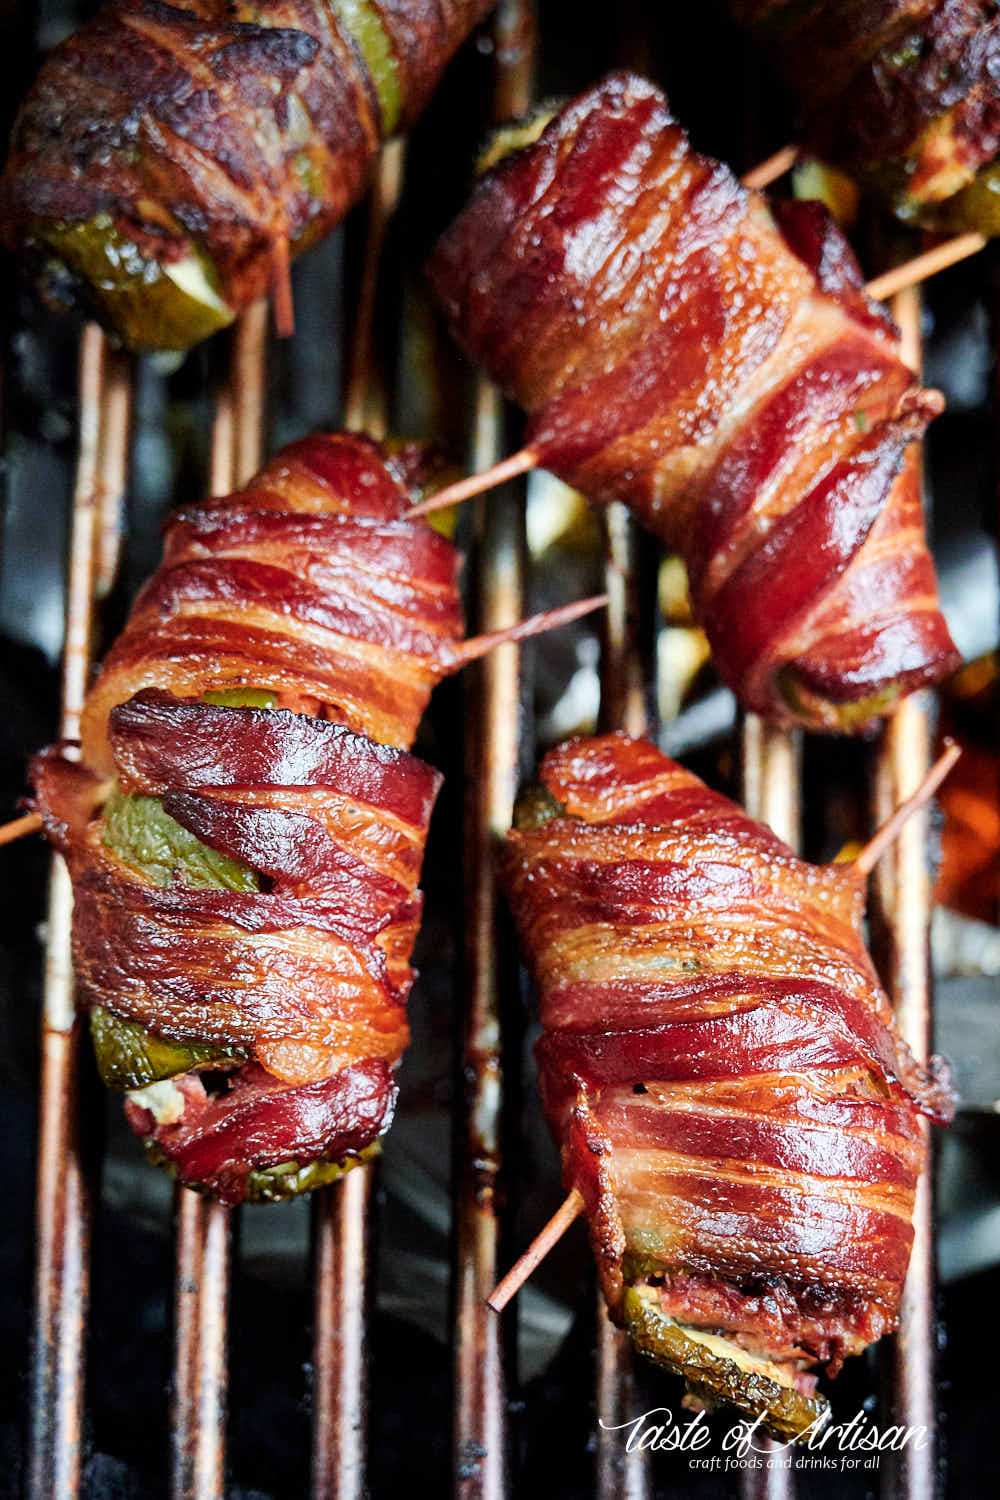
[903,884]
[340,1397]
[903,889]
[365,397]
[623,706]
[479,1437]
[64,1194]
[203,1228]
[201,1297]
[341,1240]
[772,792]
[480,1418]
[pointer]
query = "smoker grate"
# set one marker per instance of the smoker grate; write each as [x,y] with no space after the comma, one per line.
[63,1214]
[484,1464]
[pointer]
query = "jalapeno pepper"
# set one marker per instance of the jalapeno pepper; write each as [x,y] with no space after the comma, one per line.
[145,837]
[287,1180]
[535,806]
[149,304]
[131,1057]
[714,1375]
[846,717]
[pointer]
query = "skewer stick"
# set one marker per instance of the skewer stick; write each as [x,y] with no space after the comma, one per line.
[880,841]
[284,306]
[548,619]
[768,171]
[474,484]
[30,823]
[910,272]
[536,1252]
[923,266]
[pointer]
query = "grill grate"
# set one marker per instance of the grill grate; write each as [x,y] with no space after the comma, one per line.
[902,887]
[64,1188]
[482,1444]
[480,1430]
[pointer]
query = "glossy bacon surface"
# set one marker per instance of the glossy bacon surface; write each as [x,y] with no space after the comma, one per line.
[219,131]
[310,586]
[308,582]
[718,1060]
[718,368]
[308,978]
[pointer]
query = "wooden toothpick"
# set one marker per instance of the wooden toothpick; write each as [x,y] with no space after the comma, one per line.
[19,827]
[881,839]
[536,1252]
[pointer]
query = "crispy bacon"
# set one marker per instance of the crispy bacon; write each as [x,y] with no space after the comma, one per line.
[718,1059]
[309,582]
[901,92]
[308,977]
[311,585]
[219,132]
[221,1138]
[720,370]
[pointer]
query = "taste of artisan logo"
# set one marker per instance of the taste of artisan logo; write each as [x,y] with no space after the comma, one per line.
[856,1444]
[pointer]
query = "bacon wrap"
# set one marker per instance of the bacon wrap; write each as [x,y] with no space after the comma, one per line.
[309,977]
[722,372]
[220,130]
[901,92]
[309,584]
[718,1060]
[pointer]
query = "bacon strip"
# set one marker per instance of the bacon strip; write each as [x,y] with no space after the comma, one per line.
[720,370]
[196,965]
[216,131]
[718,1060]
[310,584]
[257,1122]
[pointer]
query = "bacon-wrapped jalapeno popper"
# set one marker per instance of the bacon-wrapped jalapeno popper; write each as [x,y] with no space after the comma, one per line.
[244,827]
[904,94]
[719,1066]
[715,364]
[170,157]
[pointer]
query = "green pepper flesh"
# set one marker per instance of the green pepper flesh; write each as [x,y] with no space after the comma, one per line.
[149,840]
[976,206]
[535,807]
[149,304]
[710,1377]
[850,715]
[364,23]
[131,1057]
[242,697]
[287,1180]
